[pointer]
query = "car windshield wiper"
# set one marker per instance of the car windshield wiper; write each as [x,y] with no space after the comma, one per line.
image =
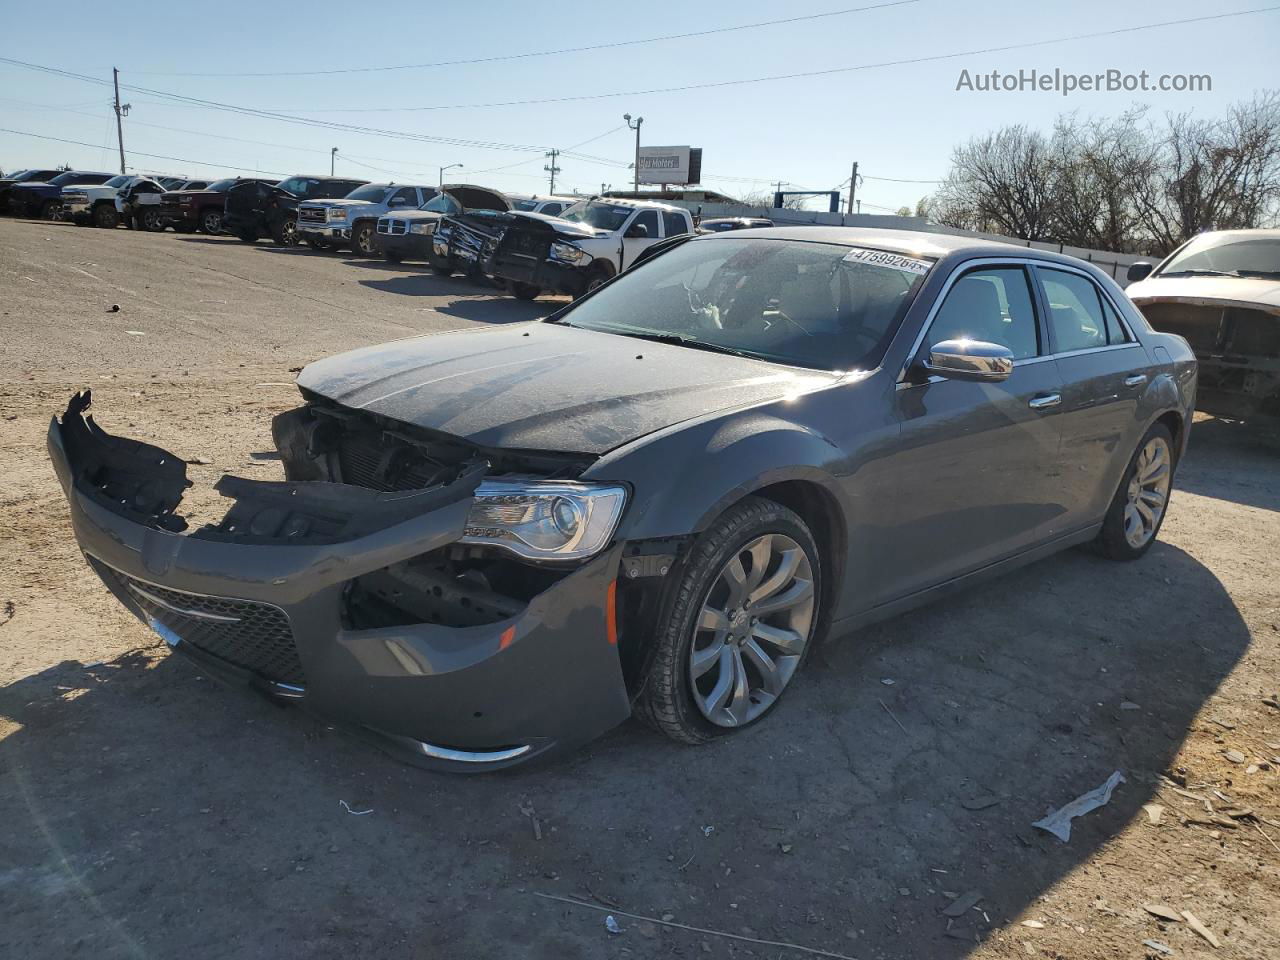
[1200,273]
[680,340]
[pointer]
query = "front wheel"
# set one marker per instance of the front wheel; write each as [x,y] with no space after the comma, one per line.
[211,222]
[363,243]
[51,210]
[737,622]
[285,234]
[152,221]
[1140,503]
[105,216]
[524,291]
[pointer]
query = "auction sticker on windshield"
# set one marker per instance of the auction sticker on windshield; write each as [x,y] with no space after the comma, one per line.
[895,261]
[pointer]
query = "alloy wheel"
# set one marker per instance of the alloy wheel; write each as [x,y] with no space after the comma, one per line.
[289,233]
[1148,492]
[211,222]
[752,630]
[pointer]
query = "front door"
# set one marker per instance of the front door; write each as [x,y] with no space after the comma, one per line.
[976,469]
[641,232]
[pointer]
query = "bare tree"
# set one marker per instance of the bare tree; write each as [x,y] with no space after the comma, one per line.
[1001,182]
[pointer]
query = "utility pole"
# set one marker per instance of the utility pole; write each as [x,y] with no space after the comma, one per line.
[552,169]
[120,111]
[853,186]
[333,154]
[636,127]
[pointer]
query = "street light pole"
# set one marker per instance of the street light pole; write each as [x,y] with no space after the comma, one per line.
[120,111]
[443,169]
[332,155]
[636,127]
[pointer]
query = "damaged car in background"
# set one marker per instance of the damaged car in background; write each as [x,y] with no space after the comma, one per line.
[496,543]
[1221,291]
[407,234]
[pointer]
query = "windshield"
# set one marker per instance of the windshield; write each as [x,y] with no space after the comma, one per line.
[119,181]
[222,186]
[370,192]
[298,186]
[20,174]
[526,205]
[71,176]
[442,203]
[598,214]
[819,305]
[1225,254]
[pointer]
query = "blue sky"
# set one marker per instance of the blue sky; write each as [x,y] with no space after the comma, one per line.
[897,121]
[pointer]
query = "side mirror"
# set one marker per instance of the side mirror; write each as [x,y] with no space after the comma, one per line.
[969,360]
[1139,271]
[637,230]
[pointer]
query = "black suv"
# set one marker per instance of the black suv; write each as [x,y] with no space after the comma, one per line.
[255,210]
[23,176]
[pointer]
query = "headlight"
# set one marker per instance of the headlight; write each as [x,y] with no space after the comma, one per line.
[337,213]
[545,520]
[425,229]
[567,252]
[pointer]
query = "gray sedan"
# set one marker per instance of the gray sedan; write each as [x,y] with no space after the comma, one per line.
[494,544]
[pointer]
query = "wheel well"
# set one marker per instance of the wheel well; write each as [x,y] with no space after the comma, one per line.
[1173,420]
[825,520]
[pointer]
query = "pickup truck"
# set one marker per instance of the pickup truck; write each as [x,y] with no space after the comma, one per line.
[353,220]
[85,204]
[190,210]
[406,234]
[550,205]
[259,210]
[43,199]
[587,245]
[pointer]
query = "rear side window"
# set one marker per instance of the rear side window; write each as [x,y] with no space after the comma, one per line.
[1075,311]
[674,223]
[993,305]
[1115,329]
[553,209]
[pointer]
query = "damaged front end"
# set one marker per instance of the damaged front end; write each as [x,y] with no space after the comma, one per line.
[453,603]
[543,253]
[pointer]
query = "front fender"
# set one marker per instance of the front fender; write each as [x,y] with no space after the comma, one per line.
[684,477]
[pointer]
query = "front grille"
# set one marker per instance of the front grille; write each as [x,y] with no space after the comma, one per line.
[526,244]
[312,214]
[393,228]
[246,633]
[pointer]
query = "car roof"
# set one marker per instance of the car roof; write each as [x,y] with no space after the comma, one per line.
[911,242]
[629,202]
[1242,234]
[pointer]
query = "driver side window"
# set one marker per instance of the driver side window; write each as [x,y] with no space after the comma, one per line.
[647,219]
[992,304]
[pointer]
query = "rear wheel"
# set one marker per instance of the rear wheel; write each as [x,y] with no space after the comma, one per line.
[1139,506]
[211,222]
[362,240]
[105,216]
[151,220]
[738,620]
[524,291]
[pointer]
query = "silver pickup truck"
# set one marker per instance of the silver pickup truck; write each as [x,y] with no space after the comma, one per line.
[353,220]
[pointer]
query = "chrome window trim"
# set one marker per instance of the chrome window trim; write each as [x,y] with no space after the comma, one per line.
[1124,321]
[957,272]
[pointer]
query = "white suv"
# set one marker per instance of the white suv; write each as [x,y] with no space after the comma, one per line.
[353,220]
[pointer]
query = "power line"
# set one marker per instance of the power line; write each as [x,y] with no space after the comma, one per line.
[139,153]
[611,45]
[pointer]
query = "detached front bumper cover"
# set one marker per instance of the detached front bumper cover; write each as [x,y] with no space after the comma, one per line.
[260,597]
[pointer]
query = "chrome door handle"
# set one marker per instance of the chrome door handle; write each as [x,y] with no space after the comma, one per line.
[1137,380]
[1044,401]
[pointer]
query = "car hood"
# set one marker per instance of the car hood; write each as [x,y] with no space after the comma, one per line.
[545,386]
[414,214]
[566,228]
[1248,292]
[338,203]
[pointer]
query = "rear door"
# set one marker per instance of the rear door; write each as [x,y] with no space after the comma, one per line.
[976,466]
[1104,372]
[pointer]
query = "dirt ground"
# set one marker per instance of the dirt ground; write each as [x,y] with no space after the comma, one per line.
[149,812]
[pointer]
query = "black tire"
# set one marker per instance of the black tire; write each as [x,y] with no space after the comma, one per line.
[318,243]
[211,221]
[151,220]
[364,239]
[51,210]
[285,233]
[666,699]
[105,216]
[390,257]
[524,291]
[1112,542]
[247,235]
[442,271]
[596,276]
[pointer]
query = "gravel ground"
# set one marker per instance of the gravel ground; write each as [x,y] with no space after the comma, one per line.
[149,812]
